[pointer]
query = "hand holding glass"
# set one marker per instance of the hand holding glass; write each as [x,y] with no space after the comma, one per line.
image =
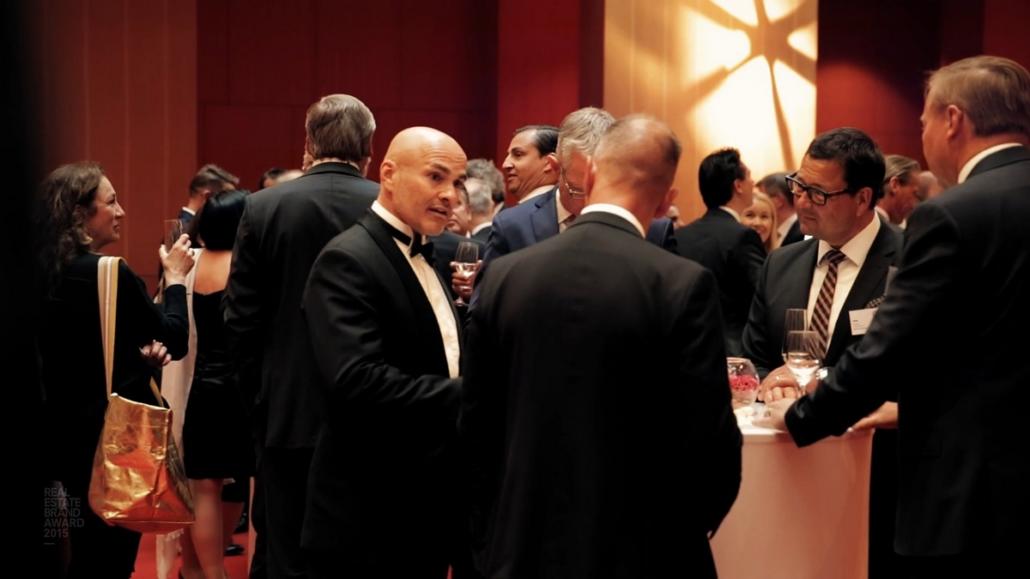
[466,259]
[802,356]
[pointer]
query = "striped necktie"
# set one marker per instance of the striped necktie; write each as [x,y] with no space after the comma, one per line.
[821,314]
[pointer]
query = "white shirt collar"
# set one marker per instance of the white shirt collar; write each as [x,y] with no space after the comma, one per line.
[971,164]
[479,228]
[190,211]
[536,192]
[857,248]
[785,226]
[731,212]
[614,210]
[392,219]
[563,213]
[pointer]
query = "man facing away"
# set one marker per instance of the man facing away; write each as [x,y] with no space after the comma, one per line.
[281,232]
[947,333]
[596,410]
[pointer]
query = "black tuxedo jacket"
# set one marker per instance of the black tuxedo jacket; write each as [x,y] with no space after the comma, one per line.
[596,409]
[949,331]
[281,232]
[785,282]
[382,486]
[734,254]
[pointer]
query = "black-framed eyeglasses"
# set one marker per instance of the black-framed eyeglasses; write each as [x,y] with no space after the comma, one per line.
[816,195]
[573,192]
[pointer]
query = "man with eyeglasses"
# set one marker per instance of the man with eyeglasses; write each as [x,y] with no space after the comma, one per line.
[839,276]
[554,211]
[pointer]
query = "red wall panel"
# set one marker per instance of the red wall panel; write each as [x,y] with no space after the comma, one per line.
[117,85]
[412,63]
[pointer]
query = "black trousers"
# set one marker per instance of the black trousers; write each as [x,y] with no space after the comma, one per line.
[282,488]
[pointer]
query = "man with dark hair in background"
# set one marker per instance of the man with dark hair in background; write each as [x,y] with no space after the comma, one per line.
[775,186]
[282,230]
[718,241]
[529,169]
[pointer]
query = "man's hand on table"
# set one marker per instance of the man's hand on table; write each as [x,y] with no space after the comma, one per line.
[780,384]
[775,412]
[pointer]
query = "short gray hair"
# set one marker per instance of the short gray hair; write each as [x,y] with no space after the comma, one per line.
[901,167]
[580,132]
[340,126]
[994,92]
[485,170]
[480,200]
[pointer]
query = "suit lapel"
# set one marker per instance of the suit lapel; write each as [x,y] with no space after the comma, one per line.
[425,320]
[545,218]
[869,285]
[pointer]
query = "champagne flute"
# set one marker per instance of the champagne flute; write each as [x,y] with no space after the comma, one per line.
[173,231]
[793,321]
[466,260]
[803,357]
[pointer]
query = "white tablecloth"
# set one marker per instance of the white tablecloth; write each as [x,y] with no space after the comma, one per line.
[801,512]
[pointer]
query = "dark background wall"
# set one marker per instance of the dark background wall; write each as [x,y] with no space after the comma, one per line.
[153,89]
[874,56]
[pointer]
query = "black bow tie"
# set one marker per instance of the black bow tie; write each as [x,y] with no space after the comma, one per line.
[414,247]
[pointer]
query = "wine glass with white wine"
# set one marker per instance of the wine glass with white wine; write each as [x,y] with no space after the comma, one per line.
[802,356]
[466,259]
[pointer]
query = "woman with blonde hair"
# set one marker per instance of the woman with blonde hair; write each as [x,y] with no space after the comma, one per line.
[761,217]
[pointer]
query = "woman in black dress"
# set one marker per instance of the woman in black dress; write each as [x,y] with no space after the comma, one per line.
[215,435]
[81,215]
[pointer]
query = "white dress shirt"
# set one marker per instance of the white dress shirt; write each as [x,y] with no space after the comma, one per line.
[536,193]
[783,228]
[433,288]
[970,164]
[855,250]
[617,211]
[563,214]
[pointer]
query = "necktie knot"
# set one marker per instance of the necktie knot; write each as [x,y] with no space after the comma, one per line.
[834,257]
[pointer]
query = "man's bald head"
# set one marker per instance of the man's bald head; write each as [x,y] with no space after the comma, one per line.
[420,175]
[636,158]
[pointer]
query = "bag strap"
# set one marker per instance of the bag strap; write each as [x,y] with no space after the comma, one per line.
[107,293]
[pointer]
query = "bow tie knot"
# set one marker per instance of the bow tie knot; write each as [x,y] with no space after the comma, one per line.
[415,246]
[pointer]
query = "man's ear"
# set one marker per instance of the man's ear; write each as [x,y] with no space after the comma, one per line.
[588,182]
[956,121]
[663,208]
[863,196]
[552,163]
[387,173]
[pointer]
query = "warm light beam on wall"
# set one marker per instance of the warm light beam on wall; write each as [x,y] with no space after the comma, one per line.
[722,73]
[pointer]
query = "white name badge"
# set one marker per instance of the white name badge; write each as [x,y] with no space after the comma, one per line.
[860,320]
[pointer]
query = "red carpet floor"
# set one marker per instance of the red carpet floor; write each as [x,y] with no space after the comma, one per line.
[146,566]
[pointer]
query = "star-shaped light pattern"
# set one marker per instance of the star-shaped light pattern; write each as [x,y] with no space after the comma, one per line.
[749,67]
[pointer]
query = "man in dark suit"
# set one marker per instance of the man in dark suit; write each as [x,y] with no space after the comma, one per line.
[947,334]
[383,494]
[282,230]
[840,296]
[595,409]
[552,212]
[789,229]
[718,241]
